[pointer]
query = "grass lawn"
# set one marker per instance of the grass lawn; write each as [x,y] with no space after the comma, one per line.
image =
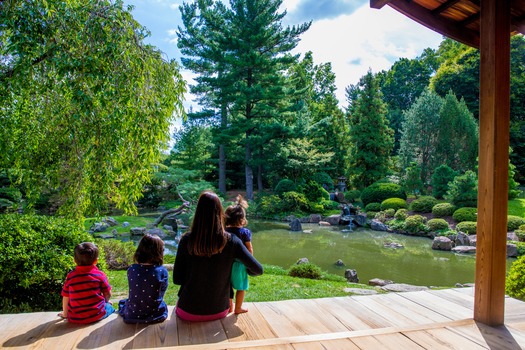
[273,285]
[517,207]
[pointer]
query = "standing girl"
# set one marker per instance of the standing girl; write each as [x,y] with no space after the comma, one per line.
[235,222]
[148,281]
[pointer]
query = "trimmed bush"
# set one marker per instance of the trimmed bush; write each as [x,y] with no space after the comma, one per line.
[12,194]
[117,254]
[373,207]
[315,192]
[285,185]
[307,270]
[352,195]
[465,214]
[380,191]
[415,224]
[389,213]
[36,253]
[463,191]
[515,282]
[371,214]
[514,222]
[294,201]
[468,227]
[441,177]
[401,214]
[443,209]
[423,204]
[521,234]
[394,203]
[323,179]
[269,206]
[437,224]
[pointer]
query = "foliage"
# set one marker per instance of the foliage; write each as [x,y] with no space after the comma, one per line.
[370,151]
[514,222]
[314,192]
[323,179]
[269,205]
[463,190]
[36,253]
[293,202]
[465,214]
[468,227]
[415,224]
[85,104]
[389,212]
[515,282]
[412,179]
[394,203]
[441,177]
[118,255]
[401,214]
[373,207]
[513,190]
[520,233]
[306,270]
[12,194]
[352,195]
[285,185]
[423,204]
[371,214]
[437,224]
[380,191]
[443,209]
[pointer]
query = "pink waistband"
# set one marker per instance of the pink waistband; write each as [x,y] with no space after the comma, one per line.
[200,318]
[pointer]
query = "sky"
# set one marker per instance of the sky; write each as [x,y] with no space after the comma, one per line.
[347,33]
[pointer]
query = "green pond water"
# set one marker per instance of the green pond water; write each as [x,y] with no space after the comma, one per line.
[361,249]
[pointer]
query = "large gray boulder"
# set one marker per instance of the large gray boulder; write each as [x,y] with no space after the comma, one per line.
[315,218]
[137,231]
[512,236]
[377,225]
[333,219]
[379,282]
[402,287]
[512,250]
[295,225]
[462,239]
[464,249]
[442,243]
[351,276]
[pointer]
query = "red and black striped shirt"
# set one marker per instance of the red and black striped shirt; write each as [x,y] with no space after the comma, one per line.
[86,286]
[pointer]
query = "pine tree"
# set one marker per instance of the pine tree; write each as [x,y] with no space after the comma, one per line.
[371,138]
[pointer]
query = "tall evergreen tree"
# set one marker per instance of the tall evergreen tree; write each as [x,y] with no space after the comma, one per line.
[372,139]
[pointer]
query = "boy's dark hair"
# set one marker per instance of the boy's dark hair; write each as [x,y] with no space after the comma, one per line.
[150,250]
[235,214]
[86,254]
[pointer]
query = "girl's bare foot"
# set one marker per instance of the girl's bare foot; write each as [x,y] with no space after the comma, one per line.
[240,311]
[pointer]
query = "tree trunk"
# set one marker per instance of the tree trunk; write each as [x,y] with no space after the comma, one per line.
[222,151]
[259,178]
[248,171]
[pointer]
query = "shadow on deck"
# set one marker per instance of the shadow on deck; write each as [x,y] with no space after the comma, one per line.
[414,320]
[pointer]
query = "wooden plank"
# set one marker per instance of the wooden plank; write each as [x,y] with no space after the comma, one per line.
[429,340]
[456,341]
[200,332]
[157,335]
[494,119]
[501,338]
[346,313]
[413,310]
[106,334]
[326,319]
[247,326]
[397,341]
[455,297]
[444,307]
[353,305]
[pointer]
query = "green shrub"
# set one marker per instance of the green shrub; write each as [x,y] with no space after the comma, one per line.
[423,204]
[401,214]
[371,214]
[373,207]
[352,195]
[441,177]
[468,227]
[315,192]
[415,224]
[12,194]
[293,202]
[117,254]
[307,270]
[463,191]
[380,191]
[324,180]
[285,185]
[465,214]
[437,224]
[36,253]
[390,213]
[329,205]
[269,206]
[514,222]
[515,282]
[394,203]
[521,234]
[448,233]
[443,209]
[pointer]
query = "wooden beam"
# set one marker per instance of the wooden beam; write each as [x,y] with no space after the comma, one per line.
[435,22]
[494,120]
[378,4]
[444,6]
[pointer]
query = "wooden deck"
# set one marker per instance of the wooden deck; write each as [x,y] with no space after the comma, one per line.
[413,320]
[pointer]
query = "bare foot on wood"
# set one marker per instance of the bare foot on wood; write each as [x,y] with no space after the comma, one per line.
[240,311]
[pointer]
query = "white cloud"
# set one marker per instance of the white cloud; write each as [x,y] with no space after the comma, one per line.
[367,39]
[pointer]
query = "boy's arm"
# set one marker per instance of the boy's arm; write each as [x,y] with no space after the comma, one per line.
[107,296]
[249,246]
[65,302]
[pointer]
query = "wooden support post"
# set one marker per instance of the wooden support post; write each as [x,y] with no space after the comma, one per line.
[494,118]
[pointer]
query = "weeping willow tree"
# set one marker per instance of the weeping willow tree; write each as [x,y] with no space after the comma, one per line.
[85,104]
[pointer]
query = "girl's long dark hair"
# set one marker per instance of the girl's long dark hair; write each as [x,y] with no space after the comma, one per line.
[150,250]
[207,236]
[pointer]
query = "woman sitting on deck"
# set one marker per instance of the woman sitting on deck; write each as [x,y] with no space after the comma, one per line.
[204,261]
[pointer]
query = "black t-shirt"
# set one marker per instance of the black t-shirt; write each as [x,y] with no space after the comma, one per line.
[205,281]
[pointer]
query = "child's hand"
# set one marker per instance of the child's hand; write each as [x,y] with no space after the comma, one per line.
[61,315]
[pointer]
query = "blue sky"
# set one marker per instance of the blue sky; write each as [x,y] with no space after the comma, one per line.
[347,33]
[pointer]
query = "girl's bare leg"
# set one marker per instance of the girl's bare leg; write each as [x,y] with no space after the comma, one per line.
[239,298]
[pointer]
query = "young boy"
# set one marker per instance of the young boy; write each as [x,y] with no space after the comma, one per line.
[86,292]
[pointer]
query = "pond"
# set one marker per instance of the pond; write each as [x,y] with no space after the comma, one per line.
[361,249]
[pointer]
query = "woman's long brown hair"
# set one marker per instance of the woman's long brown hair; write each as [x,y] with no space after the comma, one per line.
[207,236]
